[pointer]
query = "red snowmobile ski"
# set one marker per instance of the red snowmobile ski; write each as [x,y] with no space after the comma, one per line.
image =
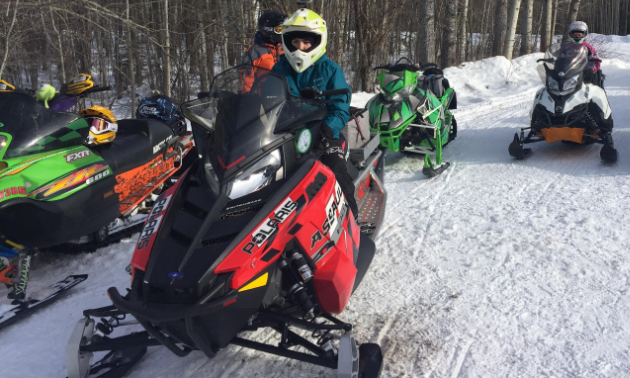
[256,234]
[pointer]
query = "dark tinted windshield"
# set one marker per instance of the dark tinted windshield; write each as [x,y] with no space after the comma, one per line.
[568,57]
[35,129]
[248,109]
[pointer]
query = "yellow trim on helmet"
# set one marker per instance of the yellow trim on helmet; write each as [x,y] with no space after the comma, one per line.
[99,111]
[102,138]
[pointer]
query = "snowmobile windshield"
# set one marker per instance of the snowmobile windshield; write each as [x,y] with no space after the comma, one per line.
[34,129]
[566,59]
[247,110]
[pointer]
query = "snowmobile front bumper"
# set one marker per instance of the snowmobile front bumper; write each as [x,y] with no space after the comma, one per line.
[160,313]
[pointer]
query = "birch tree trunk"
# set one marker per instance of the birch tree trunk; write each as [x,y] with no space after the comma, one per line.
[554,20]
[500,27]
[426,35]
[571,17]
[463,35]
[545,40]
[449,38]
[526,31]
[515,6]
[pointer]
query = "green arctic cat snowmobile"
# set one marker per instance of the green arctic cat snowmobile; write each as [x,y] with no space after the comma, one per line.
[413,112]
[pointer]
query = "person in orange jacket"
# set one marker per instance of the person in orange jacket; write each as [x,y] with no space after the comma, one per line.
[266,49]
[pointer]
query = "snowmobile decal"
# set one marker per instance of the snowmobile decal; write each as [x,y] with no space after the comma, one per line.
[132,187]
[258,282]
[141,255]
[270,225]
[12,191]
[153,222]
[77,156]
[83,176]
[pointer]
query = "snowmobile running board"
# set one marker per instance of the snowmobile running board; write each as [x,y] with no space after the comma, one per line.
[366,361]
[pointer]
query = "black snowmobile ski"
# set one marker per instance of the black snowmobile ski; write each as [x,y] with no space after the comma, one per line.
[516,149]
[432,172]
[25,308]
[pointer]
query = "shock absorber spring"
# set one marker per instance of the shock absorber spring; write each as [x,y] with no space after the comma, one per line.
[297,273]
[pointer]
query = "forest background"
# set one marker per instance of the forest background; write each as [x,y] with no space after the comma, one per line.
[177,46]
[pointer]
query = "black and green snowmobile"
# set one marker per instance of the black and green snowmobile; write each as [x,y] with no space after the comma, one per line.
[413,112]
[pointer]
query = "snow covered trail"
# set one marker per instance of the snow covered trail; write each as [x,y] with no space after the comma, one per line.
[497,268]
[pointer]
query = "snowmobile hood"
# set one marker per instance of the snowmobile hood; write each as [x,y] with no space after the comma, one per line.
[27,127]
[178,219]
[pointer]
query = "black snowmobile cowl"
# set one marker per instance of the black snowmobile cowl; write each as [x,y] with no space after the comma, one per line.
[564,65]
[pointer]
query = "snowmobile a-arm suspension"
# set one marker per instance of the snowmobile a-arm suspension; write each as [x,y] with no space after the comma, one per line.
[283,352]
[270,316]
[138,339]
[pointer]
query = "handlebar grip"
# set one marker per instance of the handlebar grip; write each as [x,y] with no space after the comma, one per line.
[334,92]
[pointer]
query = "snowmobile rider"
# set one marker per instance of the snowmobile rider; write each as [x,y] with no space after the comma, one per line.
[267,46]
[306,66]
[577,34]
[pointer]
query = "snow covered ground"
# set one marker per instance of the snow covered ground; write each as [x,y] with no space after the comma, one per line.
[497,268]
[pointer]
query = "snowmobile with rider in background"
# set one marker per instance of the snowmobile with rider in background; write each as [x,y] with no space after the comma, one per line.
[568,108]
[413,112]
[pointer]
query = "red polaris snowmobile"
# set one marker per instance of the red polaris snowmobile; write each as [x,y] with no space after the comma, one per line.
[256,234]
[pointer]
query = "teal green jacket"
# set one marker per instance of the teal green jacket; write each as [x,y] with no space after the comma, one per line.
[323,75]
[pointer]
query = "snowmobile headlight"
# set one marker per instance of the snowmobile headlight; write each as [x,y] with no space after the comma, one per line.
[570,84]
[3,142]
[255,177]
[552,84]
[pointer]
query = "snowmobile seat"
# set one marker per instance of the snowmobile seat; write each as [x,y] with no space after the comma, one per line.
[137,142]
[434,80]
[361,142]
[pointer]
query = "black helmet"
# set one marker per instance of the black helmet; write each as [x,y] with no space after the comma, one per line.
[270,26]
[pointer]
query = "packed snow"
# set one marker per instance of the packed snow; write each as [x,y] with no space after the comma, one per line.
[496,268]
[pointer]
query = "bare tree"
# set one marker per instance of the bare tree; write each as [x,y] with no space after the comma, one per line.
[526,29]
[546,29]
[449,37]
[571,16]
[462,36]
[8,35]
[500,27]
[514,9]
[426,35]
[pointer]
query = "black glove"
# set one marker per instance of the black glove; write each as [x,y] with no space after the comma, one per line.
[323,140]
[310,93]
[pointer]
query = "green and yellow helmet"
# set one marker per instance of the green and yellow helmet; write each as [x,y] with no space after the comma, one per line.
[304,23]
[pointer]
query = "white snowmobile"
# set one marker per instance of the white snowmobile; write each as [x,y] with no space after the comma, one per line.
[568,109]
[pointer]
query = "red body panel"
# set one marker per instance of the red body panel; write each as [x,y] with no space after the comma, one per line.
[152,226]
[324,234]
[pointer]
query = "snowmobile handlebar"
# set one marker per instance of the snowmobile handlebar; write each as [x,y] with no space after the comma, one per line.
[398,67]
[97,89]
[334,92]
[429,65]
[550,60]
